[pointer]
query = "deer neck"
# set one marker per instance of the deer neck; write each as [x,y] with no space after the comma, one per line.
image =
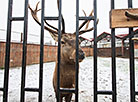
[67,62]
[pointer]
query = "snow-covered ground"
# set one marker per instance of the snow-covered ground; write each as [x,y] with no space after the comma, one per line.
[85,81]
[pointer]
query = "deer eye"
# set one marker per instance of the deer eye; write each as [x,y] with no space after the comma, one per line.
[62,42]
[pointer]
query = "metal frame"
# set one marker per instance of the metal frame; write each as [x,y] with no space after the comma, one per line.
[132,64]
[23,76]
[113,92]
[76,90]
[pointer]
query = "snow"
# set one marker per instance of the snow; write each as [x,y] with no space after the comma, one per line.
[85,81]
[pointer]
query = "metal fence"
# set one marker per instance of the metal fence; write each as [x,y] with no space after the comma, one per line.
[24,89]
[113,92]
[8,41]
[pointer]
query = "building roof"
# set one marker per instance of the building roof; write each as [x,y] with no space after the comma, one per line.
[105,34]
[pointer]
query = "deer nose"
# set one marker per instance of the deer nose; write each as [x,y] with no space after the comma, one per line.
[81,55]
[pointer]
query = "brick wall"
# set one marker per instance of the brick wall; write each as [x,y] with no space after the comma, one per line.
[33,53]
[107,52]
[2,54]
[88,51]
[136,45]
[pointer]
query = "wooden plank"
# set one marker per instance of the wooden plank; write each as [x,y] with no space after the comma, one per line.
[119,20]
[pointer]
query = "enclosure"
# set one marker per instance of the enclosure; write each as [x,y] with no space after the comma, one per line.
[100,79]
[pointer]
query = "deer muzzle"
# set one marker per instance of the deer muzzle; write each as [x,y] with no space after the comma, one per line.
[81,55]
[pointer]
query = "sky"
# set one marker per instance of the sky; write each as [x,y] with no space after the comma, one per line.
[68,11]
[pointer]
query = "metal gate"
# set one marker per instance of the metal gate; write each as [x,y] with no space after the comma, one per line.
[8,42]
[113,92]
[24,89]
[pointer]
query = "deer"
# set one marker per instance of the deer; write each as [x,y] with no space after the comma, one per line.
[68,52]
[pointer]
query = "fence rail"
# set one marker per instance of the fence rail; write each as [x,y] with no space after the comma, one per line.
[24,50]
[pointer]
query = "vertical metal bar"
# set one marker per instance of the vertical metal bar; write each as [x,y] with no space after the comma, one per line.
[59,52]
[7,56]
[113,59]
[129,3]
[132,70]
[113,65]
[24,51]
[131,57]
[77,49]
[95,51]
[112,4]
[41,52]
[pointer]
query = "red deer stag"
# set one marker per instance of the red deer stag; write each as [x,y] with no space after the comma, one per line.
[68,51]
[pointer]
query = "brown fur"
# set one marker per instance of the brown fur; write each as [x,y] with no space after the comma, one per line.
[68,52]
[67,67]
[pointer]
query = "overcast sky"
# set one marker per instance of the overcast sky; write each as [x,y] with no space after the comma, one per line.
[68,10]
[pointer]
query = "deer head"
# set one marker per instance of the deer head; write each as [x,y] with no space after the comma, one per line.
[68,40]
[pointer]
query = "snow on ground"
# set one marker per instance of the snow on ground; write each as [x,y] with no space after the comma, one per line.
[85,81]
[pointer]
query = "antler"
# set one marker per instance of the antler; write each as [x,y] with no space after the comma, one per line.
[34,15]
[86,22]
[63,22]
[54,30]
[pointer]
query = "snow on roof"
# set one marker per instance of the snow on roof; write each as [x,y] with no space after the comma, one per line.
[105,34]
